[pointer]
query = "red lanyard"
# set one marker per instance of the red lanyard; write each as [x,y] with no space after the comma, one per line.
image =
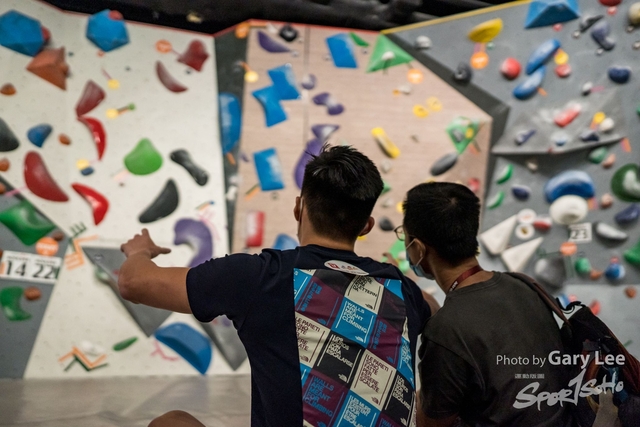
[461,278]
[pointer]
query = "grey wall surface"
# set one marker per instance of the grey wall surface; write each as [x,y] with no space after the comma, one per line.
[450,46]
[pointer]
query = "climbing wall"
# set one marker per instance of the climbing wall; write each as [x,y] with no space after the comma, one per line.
[304,86]
[562,181]
[107,127]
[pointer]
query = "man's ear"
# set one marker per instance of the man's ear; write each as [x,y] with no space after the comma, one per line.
[368,227]
[296,209]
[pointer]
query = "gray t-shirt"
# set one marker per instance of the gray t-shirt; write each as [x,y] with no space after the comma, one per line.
[470,352]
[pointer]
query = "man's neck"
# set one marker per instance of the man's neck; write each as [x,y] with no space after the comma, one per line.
[447,274]
[326,242]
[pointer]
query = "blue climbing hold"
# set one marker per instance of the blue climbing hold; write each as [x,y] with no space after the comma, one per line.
[524,135]
[284,81]
[615,271]
[284,242]
[270,100]
[541,55]
[628,214]
[230,121]
[193,346]
[548,12]
[107,30]
[342,51]
[39,134]
[619,74]
[530,86]
[21,33]
[521,192]
[571,182]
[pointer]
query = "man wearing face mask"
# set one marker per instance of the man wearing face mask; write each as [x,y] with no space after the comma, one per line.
[474,348]
[330,336]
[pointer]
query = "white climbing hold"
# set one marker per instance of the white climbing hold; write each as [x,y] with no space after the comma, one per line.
[517,257]
[496,239]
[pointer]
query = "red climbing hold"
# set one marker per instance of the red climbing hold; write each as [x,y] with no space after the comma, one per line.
[99,204]
[39,181]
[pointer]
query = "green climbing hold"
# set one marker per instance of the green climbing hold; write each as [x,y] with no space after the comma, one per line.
[119,346]
[462,131]
[385,187]
[625,183]
[632,255]
[26,222]
[496,200]
[143,159]
[387,54]
[597,155]
[358,40]
[398,252]
[582,266]
[10,302]
[505,174]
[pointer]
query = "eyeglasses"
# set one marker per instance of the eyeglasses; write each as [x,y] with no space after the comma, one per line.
[400,234]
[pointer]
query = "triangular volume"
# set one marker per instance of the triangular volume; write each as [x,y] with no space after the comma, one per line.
[548,12]
[517,257]
[109,260]
[50,65]
[497,237]
[387,54]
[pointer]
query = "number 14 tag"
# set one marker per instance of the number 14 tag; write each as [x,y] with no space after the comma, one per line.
[31,267]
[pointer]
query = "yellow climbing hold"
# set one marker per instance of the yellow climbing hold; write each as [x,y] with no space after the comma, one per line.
[399,207]
[599,117]
[420,111]
[113,84]
[561,57]
[82,164]
[486,31]
[385,143]
[112,113]
[434,104]
[251,76]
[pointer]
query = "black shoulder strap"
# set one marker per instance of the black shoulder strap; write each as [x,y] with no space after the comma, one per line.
[544,295]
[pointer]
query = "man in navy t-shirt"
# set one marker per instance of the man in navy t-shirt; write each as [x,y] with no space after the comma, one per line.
[330,336]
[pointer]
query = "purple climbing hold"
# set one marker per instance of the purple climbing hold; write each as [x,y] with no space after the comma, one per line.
[270,45]
[197,235]
[628,215]
[323,132]
[600,33]
[308,81]
[521,192]
[326,99]
[313,149]
[619,74]
[524,135]
[589,135]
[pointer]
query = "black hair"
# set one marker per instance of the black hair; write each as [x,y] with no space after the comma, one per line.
[445,216]
[339,189]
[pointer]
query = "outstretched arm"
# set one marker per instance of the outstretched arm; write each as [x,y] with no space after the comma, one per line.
[142,281]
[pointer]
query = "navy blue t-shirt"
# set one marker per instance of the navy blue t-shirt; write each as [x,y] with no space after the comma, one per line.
[368,321]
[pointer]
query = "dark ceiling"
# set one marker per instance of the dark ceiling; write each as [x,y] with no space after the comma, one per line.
[211,16]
